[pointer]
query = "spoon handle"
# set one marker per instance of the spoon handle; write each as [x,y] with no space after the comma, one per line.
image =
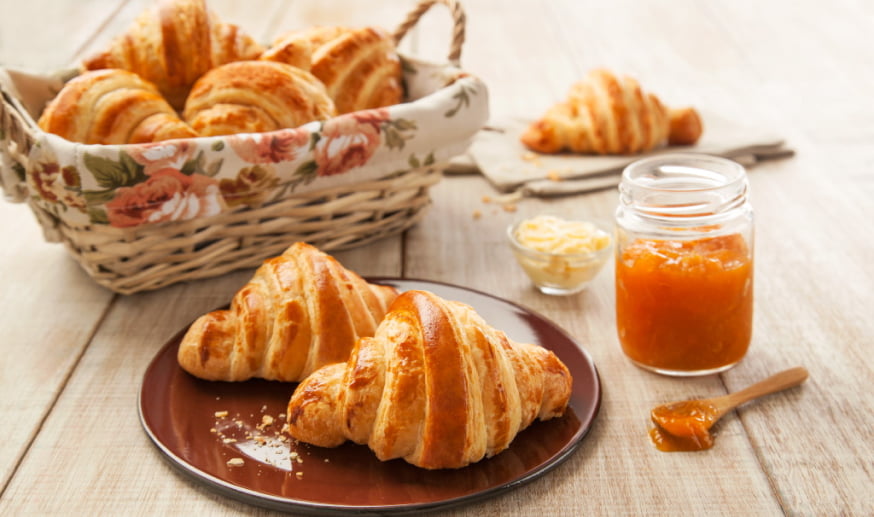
[777,382]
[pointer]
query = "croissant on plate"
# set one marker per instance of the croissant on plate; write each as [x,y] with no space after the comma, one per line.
[172,44]
[436,385]
[359,66]
[112,107]
[300,311]
[255,96]
[606,114]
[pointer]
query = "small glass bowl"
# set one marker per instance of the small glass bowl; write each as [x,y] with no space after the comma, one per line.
[559,273]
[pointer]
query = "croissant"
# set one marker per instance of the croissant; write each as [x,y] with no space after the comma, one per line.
[436,385]
[300,311]
[605,114]
[293,49]
[174,43]
[111,107]
[359,66]
[255,96]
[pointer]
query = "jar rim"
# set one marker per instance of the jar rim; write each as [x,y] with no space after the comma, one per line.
[698,188]
[684,172]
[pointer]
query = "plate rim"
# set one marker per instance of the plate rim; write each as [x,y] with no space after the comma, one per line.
[286,504]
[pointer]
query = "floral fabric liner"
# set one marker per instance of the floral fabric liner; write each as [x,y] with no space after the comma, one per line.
[135,184]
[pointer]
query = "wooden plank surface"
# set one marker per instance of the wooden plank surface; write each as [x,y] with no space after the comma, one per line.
[76,353]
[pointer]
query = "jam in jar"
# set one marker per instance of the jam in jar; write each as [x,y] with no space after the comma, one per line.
[684,264]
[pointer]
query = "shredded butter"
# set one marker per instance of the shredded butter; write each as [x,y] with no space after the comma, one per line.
[560,256]
[550,234]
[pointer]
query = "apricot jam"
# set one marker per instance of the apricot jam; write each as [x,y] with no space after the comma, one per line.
[684,264]
[683,426]
[685,305]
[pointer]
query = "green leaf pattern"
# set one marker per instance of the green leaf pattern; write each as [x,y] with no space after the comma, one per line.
[462,98]
[397,132]
[112,174]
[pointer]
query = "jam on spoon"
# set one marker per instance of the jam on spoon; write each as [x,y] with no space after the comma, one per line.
[685,426]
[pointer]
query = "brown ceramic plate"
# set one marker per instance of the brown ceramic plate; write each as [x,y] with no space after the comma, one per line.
[201,426]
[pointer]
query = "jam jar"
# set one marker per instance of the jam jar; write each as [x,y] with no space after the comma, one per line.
[684,264]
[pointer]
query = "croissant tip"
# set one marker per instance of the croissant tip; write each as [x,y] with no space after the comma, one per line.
[539,137]
[686,126]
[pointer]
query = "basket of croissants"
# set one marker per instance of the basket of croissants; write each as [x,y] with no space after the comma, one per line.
[186,149]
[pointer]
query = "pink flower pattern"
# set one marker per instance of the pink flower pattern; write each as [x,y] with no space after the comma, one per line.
[57,184]
[161,155]
[168,195]
[349,141]
[273,147]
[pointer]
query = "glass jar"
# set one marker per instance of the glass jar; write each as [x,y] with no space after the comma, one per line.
[684,264]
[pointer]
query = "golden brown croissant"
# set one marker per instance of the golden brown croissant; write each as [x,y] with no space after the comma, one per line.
[174,43]
[436,386]
[605,114]
[255,96]
[111,107]
[300,311]
[359,66]
[293,49]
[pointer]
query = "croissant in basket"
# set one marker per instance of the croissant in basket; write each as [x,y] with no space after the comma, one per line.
[255,96]
[606,114]
[300,311]
[359,66]
[174,43]
[112,107]
[436,386]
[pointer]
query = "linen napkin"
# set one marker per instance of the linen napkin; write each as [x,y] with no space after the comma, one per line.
[497,153]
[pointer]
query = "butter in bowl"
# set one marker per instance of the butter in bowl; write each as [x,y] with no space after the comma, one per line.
[560,256]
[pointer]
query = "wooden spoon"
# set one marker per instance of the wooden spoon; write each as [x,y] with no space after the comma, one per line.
[685,426]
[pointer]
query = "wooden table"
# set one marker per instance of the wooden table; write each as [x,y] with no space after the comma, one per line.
[75,353]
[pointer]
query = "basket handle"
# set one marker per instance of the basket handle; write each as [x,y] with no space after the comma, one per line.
[458,20]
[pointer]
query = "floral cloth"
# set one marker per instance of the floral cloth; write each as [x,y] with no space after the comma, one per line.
[131,185]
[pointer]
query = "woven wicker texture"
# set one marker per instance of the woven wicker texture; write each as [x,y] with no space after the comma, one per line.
[129,260]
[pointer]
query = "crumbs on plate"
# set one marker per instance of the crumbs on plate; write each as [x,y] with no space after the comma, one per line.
[265,442]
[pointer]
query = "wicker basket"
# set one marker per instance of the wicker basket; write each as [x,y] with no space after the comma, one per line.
[384,195]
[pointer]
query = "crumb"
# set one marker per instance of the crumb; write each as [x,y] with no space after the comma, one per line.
[509,207]
[294,455]
[327,460]
[553,175]
[487,199]
[236,462]
[213,430]
[477,214]
[221,414]
[530,157]
[266,420]
[298,475]
[229,440]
